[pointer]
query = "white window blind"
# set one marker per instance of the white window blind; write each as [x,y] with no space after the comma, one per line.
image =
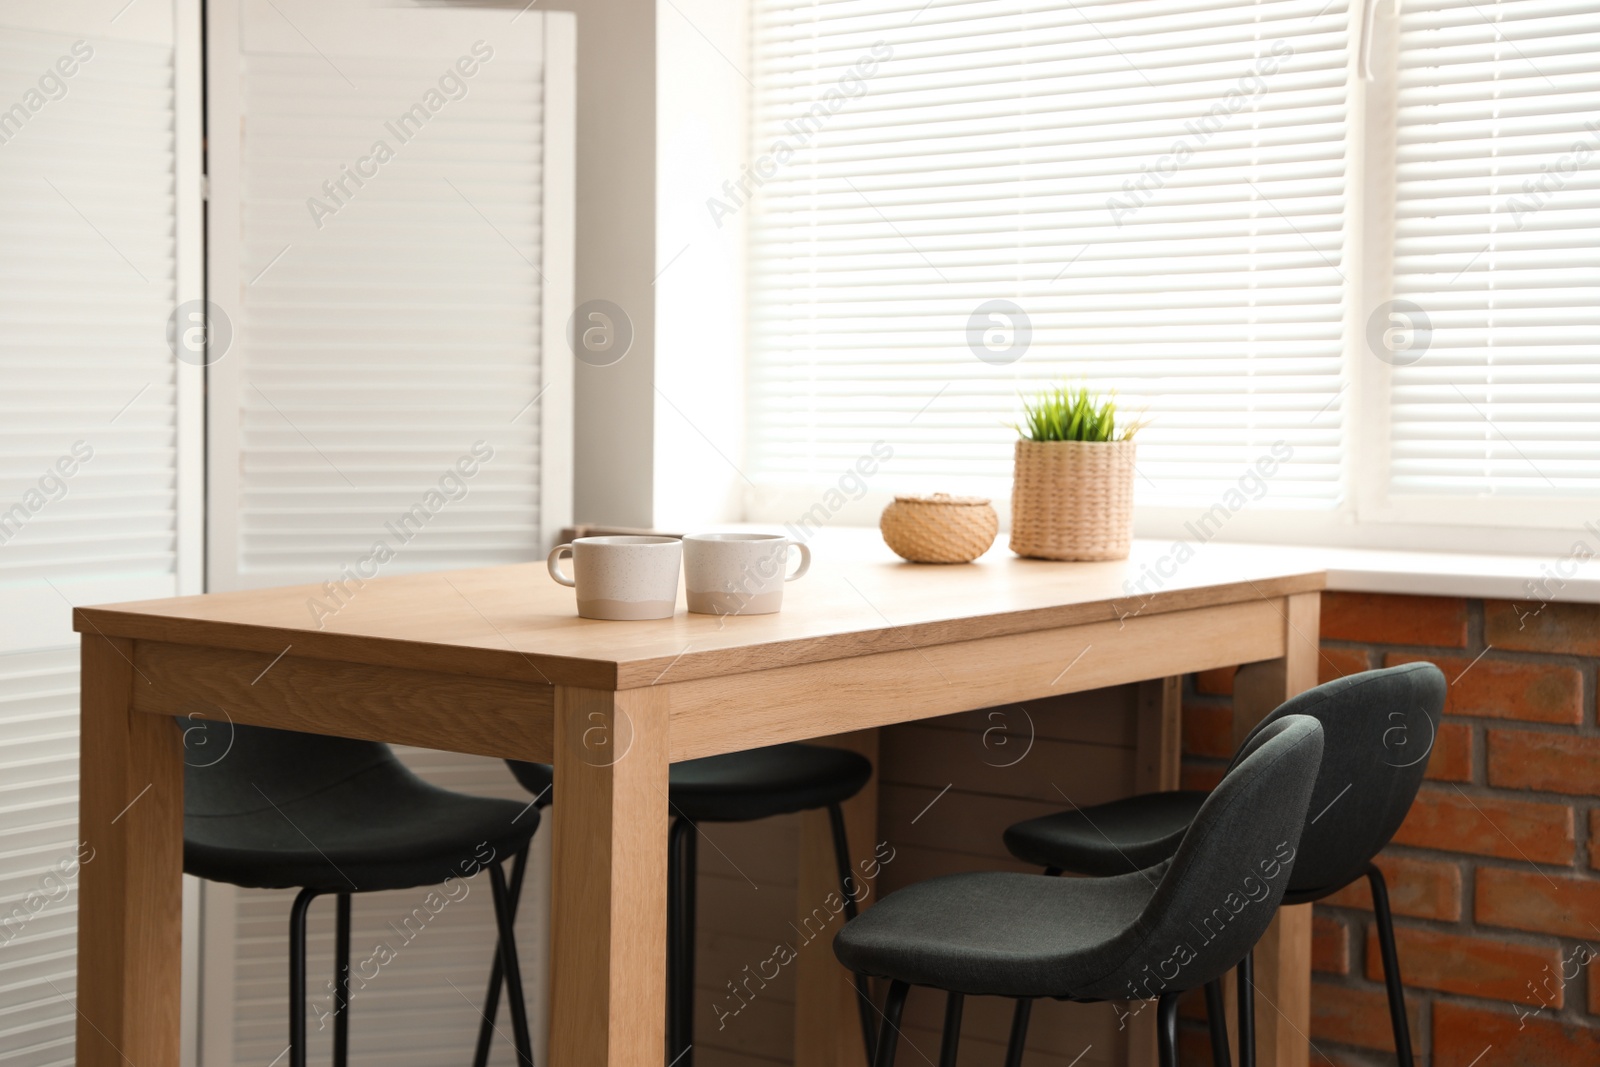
[1497,218]
[1157,185]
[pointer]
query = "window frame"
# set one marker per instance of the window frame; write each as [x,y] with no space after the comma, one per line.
[1367,514]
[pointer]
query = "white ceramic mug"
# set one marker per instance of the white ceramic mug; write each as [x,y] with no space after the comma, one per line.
[626,577]
[739,573]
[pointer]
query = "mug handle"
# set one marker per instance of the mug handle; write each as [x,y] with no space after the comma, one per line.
[554,563]
[805,562]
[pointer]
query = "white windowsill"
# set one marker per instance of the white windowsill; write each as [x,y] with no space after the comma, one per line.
[1356,570]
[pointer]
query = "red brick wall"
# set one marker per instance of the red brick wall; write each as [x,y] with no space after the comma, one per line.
[1495,876]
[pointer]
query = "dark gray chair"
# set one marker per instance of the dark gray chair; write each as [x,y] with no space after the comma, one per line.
[273,809]
[1149,935]
[1378,728]
[737,787]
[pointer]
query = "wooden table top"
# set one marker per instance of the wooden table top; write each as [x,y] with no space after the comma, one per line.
[514,622]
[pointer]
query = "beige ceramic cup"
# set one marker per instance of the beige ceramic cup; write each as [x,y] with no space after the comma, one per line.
[625,578]
[739,573]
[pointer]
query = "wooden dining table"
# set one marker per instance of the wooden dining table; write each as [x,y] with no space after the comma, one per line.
[496,662]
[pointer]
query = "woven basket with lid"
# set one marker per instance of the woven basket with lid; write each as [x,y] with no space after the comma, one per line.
[939,528]
[1072,499]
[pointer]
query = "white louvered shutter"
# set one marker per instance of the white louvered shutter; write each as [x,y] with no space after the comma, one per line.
[1005,151]
[424,315]
[99,443]
[387,327]
[1497,207]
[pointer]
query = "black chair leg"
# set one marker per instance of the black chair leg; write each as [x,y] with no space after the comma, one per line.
[847,880]
[1167,1029]
[491,998]
[1217,1021]
[889,1032]
[297,976]
[341,983]
[504,917]
[952,1030]
[1247,1010]
[1391,966]
[1019,1032]
[682,869]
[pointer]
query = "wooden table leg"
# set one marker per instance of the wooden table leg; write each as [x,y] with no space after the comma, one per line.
[827,1027]
[1283,958]
[609,883]
[130,886]
[1156,768]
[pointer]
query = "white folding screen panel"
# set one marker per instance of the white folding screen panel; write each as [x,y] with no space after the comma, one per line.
[959,202]
[100,450]
[397,270]
[391,242]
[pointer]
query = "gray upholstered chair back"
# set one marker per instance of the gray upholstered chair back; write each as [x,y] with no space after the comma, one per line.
[228,767]
[1378,729]
[1218,894]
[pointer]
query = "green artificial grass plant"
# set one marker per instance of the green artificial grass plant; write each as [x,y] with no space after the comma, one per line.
[1065,414]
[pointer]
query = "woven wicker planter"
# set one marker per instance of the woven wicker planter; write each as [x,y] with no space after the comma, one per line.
[1072,499]
[939,528]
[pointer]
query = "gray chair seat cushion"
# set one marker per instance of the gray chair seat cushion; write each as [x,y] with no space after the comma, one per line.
[1116,838]
[282,810]
[1003,934]
[744,786]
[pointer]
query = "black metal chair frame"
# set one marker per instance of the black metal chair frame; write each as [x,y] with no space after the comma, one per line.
[682,866]
[505,915]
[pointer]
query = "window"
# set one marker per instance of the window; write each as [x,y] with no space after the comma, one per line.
[1211,208]
[1497,250]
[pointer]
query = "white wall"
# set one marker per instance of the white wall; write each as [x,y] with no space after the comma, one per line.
[701,143]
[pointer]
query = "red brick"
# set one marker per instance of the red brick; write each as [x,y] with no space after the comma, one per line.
[1379,618]
[1338,662]
[1594,839]
[1354,1016]
[1527,626]
[1490,826]
[1451,758]
[1215,683]
[1462,1033]
[1474,966]
[1544,904]
[1507,689]
[1330,945]
[1423,888]
[1548,762]
[1201,777]
[1208,731]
